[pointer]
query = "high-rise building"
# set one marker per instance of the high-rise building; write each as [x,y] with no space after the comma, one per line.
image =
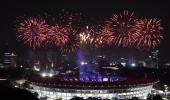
[155,57]
[153,60]
[13,59]
[6,59]
[6,56]
[9,59]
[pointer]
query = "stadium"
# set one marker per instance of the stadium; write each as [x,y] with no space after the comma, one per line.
[53,87]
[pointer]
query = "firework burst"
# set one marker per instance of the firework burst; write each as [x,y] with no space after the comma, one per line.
[70,22]
[104,37]
[87,36]
[92,36]
[71,45]
[32,31]
[57,35]
[148,33]
[120,26]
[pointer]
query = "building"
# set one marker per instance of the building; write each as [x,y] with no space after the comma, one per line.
[9,59]
[13,59]
[6,59]
[153,59]
[57,87]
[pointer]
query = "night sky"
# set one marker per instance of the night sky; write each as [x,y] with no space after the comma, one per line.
[90,8]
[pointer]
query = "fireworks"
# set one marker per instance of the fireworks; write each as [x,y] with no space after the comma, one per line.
[87,36]
[94,37]
[65,31]
[71,45]
[70,22]
[104,37]
[32,31]
[67,19]
[148,33]
[57,35]
[121,25]
[62,18]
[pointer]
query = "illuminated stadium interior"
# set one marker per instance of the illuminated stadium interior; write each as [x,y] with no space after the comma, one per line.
[112,87]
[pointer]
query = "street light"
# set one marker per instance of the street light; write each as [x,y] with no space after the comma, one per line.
[43,74]
[50,75]
[133,64]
